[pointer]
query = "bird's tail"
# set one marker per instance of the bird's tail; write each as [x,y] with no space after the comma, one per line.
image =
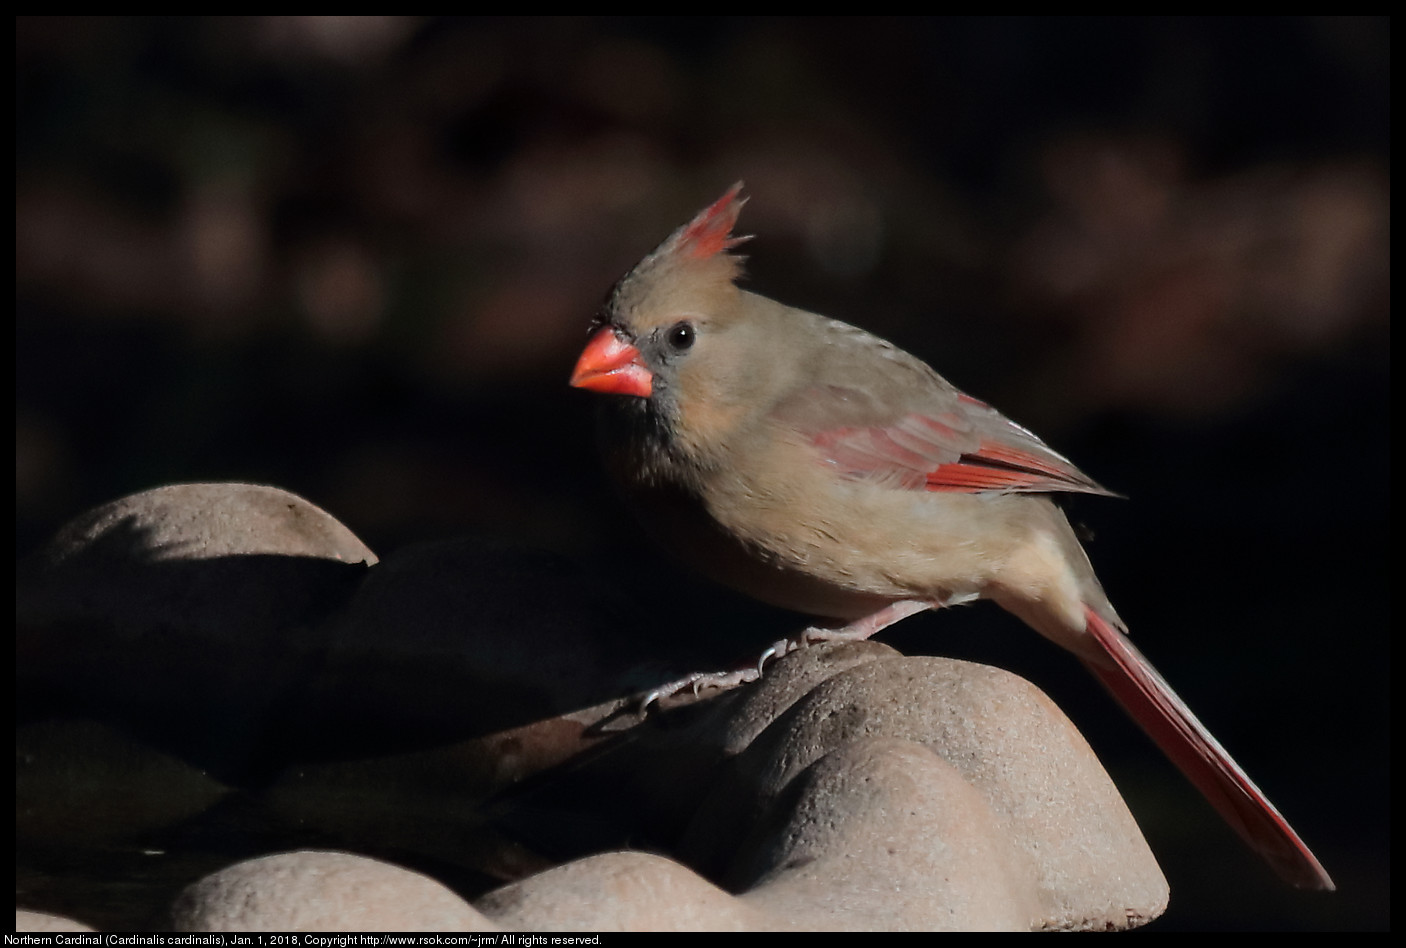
[1145,695]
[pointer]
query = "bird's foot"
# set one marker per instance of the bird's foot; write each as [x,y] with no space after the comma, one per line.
[700,680]
[856,631]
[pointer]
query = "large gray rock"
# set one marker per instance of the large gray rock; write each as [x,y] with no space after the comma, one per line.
[321,892]
[26,921]
[85,782]
[883,834]
[470,704]
[1045,790]
[464,639]
[621,891]
[188,613]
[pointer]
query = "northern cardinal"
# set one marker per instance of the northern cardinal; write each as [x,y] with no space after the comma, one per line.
[821,469]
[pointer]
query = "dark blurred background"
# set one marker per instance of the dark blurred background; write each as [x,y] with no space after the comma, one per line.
[355,257]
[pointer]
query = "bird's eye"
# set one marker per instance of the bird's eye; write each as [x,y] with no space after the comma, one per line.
[681,335]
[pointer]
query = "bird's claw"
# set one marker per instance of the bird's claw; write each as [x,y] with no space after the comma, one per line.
[697,681]
[777,649]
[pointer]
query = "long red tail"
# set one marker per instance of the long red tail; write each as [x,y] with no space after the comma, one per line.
[1169,722]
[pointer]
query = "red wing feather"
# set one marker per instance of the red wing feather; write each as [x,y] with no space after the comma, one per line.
[969,450]
[996,466]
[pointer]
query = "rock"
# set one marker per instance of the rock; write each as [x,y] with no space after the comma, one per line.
[458,639]
[85,782]
[471,704]
[867,791]
[26,921]
[884,835]
[184,613]
[1049,795]
[786,682]
[620,892]
[321,891]
[431,802]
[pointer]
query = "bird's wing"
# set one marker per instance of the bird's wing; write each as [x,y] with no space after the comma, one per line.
[906,427]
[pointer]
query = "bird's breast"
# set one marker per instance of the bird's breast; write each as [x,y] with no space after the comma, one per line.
[686,526]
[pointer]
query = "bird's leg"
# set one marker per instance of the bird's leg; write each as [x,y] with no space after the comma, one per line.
[856,631]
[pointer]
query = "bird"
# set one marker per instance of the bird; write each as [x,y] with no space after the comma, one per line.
[816,467]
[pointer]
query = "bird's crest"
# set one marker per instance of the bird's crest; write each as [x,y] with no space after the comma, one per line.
[710,233]
[692,263]
[701,245]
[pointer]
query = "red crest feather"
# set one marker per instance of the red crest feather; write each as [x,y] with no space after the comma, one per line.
[710,232]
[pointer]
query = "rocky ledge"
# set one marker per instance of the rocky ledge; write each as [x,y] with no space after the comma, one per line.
[234,717]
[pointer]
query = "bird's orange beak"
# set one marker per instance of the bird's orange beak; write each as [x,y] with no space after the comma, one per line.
[608,364]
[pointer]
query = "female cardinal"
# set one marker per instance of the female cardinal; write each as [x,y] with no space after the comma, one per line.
[821,469]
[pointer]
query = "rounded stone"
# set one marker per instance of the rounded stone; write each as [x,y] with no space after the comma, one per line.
[883,834]
[26,921]
[321,891]
[620,892]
